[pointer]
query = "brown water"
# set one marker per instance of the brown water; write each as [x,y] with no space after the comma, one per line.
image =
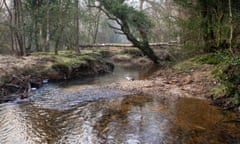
[98,115]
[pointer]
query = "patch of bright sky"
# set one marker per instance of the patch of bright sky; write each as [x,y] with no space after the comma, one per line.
[136,3]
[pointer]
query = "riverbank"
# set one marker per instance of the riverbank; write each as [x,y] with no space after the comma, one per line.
[173,84]
[188,78]
[23,74]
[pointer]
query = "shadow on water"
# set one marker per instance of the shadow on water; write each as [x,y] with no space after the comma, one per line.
[88,114]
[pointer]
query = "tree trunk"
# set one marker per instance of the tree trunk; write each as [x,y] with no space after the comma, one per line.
[36,28]
[230,26]
[121,19]
[141,5]
[10,26]
[77,26]
[96,26]
[19,25]
[143,45]
[58,39]
[40,37]
[47,42]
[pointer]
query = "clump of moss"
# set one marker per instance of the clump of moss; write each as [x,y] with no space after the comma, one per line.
[228,73]
[4,79]
[187,65]
[210,58]
[197,61]
[70,64]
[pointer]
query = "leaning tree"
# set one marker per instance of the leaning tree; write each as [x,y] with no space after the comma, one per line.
[133,23]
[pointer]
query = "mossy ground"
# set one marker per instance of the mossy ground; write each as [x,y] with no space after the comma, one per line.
[23,71]
[71,64]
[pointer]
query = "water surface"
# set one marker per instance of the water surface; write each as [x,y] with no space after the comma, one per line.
[87,114]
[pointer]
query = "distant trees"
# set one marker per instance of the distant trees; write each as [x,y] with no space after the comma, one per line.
[43,25]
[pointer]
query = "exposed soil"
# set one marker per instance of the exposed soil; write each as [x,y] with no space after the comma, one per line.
[167,82]
[173,84]
[19,75]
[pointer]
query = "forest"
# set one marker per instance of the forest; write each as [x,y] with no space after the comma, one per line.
[165,50]
[201,27]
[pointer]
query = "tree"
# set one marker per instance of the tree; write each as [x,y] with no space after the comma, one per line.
[214,22]
[230,25]
[133,23]
[17,26]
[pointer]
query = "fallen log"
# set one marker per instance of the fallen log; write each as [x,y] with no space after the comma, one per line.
[126,45]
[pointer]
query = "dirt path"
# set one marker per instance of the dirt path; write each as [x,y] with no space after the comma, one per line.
[171,84]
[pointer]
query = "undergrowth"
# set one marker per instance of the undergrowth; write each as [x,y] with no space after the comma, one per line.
[226,70]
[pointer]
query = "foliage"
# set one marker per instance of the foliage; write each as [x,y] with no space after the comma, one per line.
[228,72]
[187,65]
[207,22]
[209,58]
[133,23]
[137,20]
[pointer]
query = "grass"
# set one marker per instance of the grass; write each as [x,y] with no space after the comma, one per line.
[198,61]
[68,62]
[187,65]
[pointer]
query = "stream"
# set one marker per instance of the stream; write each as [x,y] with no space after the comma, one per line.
[84,111]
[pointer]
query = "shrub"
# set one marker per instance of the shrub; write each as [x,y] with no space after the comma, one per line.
[228,73]
[210,58]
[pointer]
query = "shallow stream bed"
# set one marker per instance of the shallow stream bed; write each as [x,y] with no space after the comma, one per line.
[83,111]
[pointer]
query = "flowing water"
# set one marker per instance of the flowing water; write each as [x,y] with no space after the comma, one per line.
[81,112]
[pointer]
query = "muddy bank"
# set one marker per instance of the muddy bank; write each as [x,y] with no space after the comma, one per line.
[21,75]
[182,80]
[173,84]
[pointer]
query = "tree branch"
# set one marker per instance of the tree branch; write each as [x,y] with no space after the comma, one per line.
[113,27]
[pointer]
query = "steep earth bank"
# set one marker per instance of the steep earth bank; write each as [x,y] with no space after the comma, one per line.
[21,75]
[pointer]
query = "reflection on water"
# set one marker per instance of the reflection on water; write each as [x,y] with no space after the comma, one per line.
[118,75]
[78,112]
[129,119]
